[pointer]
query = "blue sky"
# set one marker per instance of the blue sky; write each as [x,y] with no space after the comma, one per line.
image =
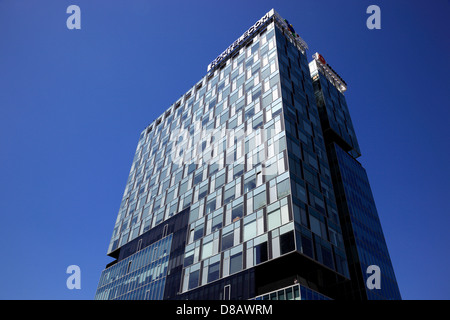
[73,103]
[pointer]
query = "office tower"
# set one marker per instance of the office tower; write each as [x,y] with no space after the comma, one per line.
[231,193]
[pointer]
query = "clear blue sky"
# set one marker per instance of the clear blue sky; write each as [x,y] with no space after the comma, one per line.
[73,103]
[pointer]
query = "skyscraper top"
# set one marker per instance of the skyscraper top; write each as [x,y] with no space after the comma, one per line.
[319,64]
[259,25]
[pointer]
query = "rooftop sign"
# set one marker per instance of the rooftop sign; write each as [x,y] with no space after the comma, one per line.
[319,63]
[257,26]
[241,39]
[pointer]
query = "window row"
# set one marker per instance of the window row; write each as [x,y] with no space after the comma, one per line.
[237,258]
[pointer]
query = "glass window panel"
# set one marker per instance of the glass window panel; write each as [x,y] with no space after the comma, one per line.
[238,170]
[229,194]
[189,258]
[287,242]
[260,253]
[315,225]
[249,112]
[258,121]
[256,93]
[289,294]
[296,293]
[274,219]
[187,199]
[198,232]
[327,257]
[207,250]
[183,188]
[236,263]
[267,100]
[301,192]
[240,103]
[237,212]
[193,279]
[250,230]
[213,168]
[220,180]
[203,191]
[211,205]
[249,183]
[259,200]
[283,188]
[307,246]
[271,169]
[217,222]
[214,271]
[228,240]
[193,215]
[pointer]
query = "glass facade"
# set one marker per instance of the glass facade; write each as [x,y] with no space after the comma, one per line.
[365,235]
[140,276]
[233,181]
